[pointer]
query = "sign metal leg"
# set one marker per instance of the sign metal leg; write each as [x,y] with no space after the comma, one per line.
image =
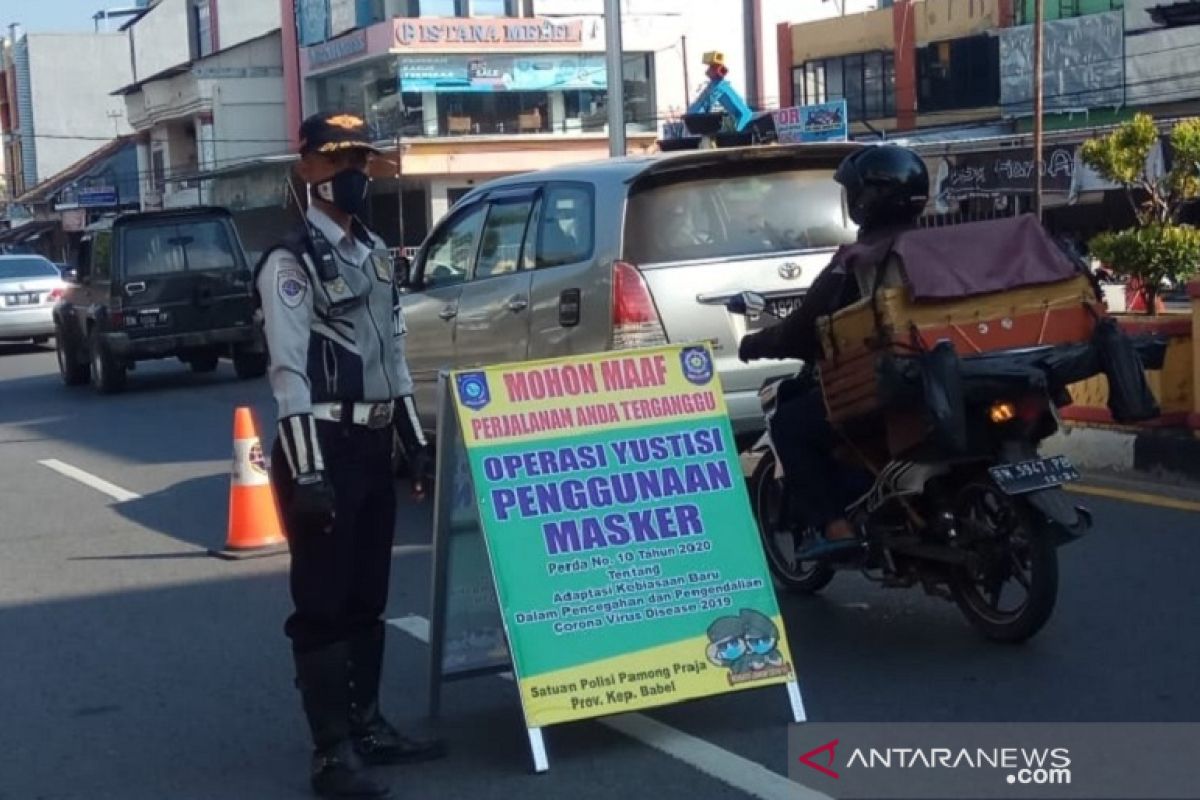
[793,690]
[537,746]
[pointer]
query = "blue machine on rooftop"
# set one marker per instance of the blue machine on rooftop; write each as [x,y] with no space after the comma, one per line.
[720,92]
[718,117]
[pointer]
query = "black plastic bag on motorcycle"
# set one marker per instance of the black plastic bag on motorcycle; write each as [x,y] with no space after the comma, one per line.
[942,386]
[1129,395]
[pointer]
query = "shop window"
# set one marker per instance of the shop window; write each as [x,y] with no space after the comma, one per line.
[488,94]
[639,92]
[494,8]
[373,92]
[867,82]
[200,26]
[964,73]
[158,170]
[443,8]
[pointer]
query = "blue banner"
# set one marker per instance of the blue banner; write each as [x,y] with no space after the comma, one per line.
[503,73]
[822,122]
[312,21]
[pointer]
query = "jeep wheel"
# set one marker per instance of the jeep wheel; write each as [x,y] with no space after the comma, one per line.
[204,363]
[107,372]
[72,372]
[250,365]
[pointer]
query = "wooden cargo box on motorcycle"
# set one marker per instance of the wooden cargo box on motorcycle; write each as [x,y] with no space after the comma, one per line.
[984,288]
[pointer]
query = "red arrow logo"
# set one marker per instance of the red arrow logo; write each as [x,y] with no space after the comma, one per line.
[831,749]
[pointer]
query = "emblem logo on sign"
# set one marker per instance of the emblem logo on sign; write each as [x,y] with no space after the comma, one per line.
[473,390]
[790,270]
[697,365]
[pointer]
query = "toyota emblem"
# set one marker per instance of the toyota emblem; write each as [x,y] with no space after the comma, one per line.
[790,270]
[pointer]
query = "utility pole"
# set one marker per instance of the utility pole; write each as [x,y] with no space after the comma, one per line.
[616,77]
[1039,99]
[687,81]
[400,184]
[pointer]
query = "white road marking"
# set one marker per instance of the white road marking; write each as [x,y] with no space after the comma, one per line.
[749,776]
[88,479]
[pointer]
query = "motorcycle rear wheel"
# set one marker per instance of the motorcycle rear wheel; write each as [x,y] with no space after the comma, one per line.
[778,540]
[1014,549]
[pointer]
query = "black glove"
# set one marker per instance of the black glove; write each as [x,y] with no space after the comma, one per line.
[747,351]
[416,450]
[420,467]
[312,502]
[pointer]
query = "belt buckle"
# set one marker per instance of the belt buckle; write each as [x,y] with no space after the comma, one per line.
[380,416]
[335,412]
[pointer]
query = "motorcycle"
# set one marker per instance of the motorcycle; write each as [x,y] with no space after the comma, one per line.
[971,513]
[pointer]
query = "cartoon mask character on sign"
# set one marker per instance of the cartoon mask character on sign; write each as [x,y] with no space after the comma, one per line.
[727,646]
[762,640]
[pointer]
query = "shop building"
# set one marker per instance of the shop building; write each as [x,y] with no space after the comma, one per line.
[460,92]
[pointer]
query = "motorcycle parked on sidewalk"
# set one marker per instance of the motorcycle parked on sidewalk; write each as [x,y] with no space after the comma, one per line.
[975,517]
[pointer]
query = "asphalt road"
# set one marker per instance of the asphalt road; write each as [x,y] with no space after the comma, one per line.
[135,666]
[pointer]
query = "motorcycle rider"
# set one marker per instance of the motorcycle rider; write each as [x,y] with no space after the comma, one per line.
[886,189]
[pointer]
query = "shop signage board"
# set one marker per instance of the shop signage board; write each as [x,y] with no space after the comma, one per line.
[486,33]
[821,122]
[484,73]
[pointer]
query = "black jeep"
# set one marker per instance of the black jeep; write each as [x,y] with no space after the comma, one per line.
[157,285]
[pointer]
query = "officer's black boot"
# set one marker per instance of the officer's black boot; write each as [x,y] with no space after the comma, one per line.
[321,676]
[375,740]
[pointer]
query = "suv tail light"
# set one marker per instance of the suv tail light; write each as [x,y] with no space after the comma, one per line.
[54,296]
[116,313]
[635,318]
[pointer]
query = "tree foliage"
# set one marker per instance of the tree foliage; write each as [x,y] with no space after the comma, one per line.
[1122,157]
[1158,249]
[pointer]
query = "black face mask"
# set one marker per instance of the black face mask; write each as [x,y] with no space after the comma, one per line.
[347,190]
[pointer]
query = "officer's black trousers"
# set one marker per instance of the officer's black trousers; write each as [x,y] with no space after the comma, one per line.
[339,579]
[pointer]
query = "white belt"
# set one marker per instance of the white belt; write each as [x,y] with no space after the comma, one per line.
[372,415]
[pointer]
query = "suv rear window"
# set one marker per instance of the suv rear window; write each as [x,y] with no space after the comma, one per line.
[162,249]
[718,216]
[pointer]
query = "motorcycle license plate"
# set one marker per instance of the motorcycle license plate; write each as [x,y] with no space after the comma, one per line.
[1029,476]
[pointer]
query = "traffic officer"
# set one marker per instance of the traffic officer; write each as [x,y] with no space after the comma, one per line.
[335,332]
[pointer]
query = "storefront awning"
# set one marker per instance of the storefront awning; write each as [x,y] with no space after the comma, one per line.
[23,233]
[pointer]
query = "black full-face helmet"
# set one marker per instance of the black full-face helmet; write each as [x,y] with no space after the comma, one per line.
[885,185]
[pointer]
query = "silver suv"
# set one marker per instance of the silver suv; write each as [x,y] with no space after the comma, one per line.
[630,252]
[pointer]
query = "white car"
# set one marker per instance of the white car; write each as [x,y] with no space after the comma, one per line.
[29,287]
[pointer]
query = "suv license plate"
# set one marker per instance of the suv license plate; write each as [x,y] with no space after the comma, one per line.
[27,299]
[1030,476]
[777,309]
[780,307]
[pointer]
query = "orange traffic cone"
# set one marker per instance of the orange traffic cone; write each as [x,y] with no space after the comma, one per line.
[254,528]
